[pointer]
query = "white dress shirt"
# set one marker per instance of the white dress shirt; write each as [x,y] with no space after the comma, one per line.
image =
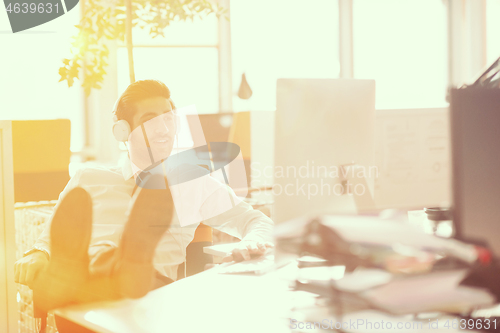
[111,190]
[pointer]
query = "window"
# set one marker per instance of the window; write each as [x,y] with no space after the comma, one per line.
[186,60]
[492,30]
[403,46]
[29,63]
[281,39]
[190,73]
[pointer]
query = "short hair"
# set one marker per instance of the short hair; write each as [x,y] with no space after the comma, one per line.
[138,91]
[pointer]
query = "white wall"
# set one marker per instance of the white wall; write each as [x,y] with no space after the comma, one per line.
[29,65]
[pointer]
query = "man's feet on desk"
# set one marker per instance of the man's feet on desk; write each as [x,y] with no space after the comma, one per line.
[149,218]
[68,268]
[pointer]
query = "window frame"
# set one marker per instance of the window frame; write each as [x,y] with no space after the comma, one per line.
[466,57]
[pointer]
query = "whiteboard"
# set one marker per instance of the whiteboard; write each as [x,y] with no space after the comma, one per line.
[412,152]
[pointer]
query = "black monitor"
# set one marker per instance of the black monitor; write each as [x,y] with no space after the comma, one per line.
[475,134]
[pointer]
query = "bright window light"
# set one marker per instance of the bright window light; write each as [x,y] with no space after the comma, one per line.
[281,39]
[493,30]
[29,65]
[403,46]
[197,32]
[191,74]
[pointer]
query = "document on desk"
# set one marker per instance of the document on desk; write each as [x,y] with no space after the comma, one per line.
[257,266]
[439,291]
[219,250]
[357,281]
[374,231]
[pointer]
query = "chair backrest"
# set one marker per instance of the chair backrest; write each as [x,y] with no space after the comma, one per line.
[196,259]
[241,135]
[238,133]
[30,220]
[41,156]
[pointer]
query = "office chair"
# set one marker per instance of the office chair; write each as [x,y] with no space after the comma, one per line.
[196,259]
[41,158]
[240,134]
[41,155]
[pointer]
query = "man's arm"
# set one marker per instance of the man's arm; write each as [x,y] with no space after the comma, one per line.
[241,221]
[200,197]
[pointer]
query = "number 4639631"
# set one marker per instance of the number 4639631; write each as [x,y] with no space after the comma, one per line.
[471,324]
[32,8]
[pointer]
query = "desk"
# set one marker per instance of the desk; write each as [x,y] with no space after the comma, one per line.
[205,302]
[212,302]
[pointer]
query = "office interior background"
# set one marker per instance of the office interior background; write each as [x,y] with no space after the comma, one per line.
[414,49]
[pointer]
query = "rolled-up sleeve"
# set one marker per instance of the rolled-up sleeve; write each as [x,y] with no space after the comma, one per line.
[241,221]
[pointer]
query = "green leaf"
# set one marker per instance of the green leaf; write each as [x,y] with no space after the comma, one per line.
[103,21]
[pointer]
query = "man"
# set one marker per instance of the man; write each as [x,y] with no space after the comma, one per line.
[111,189]
[129,268]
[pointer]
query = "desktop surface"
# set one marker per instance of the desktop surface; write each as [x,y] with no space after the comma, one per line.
[208,301]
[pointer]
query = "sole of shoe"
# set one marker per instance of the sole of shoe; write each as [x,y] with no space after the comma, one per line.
[71,229]
[150,217]
[70,233]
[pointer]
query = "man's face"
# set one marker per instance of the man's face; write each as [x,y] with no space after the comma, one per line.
[153,126]
[148,109]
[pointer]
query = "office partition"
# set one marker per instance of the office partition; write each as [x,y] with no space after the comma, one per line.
[8,305]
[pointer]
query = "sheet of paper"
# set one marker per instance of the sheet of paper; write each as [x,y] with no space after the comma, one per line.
[438,291]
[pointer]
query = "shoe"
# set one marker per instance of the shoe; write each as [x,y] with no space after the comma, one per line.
[70,233]
[148,219]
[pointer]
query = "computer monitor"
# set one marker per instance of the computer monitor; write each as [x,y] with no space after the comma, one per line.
[323,128]
[221,127]
[216,127]
[474,118]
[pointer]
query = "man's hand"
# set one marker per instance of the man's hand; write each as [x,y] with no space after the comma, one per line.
[246,250]
[26,269]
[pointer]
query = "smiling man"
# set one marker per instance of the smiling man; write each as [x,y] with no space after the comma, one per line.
[149,112]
